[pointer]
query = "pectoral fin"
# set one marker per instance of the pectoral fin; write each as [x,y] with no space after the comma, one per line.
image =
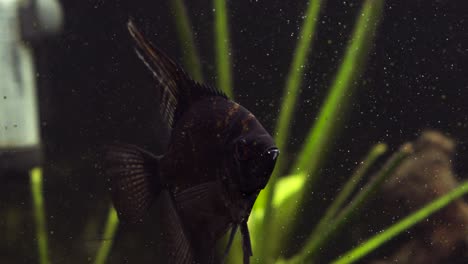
[196,195]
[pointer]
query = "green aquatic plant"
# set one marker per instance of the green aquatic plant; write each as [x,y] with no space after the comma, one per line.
[327,124]
[39,214]
[112,223]
[402,225]
[223,54]
[190,57]
[332,222]
[288,105]
[349,187]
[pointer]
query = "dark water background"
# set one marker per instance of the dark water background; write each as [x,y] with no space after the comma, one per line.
[93,90]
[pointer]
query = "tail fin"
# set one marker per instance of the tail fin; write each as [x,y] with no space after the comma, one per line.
[134,180]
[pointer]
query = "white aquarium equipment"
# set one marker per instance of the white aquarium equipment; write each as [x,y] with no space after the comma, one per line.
[22,23]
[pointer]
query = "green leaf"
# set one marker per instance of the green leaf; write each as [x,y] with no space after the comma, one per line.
[291,93]
[189,50]
[39,215]
[109,232]
[317,144]
[223,53]
[332,227]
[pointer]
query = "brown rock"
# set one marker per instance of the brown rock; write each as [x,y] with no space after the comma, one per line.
[422,177]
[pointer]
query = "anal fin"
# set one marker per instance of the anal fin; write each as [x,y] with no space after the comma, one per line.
[179,249]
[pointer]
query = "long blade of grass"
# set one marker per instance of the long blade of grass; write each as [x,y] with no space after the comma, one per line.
[291,92]
[112,223]
[348,189]
[314,243]
[39,215]
[190,53]
[351,184]
[320,136]
[340,91]
[402,225]
[296,71]
[223,58]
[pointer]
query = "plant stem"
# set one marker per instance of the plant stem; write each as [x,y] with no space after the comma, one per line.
[191,58]
[402,225]
[109,232]
[223,54]
[319,139]
[349,187]
[320,135]
[351,184]
[291,92]
[39,214]
[314,244]
[296,71]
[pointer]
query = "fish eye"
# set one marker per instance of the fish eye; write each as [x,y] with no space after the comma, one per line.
[271,154]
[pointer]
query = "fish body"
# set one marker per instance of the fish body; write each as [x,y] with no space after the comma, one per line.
[218,159]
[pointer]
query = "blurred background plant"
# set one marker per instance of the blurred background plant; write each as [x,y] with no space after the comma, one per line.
[294,220]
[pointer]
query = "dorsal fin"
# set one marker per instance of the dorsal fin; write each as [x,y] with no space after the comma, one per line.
[177,89]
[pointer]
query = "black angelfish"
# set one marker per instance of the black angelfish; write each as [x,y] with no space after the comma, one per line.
[218,159]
